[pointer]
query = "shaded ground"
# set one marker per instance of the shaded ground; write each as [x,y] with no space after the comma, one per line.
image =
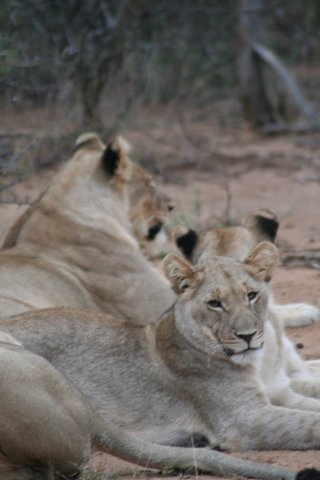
[219,175]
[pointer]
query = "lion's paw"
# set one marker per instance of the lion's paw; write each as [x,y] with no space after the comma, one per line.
[297,314]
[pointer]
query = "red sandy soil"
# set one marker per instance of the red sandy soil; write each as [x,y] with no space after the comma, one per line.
[232,174]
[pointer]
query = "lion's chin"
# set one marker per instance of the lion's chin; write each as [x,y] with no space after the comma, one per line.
[247,357]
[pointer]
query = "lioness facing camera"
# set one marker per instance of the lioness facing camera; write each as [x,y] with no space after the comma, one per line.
[289,380]
[189,378]
[78,245]
[48,428]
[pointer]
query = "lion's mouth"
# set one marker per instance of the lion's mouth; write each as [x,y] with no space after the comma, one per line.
[230,353]
[248,356]
[249,349]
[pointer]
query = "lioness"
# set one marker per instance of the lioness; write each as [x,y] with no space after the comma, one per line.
[47,427]
[75,246]
[236,241]
[188,379]
[288,379]
[78,244]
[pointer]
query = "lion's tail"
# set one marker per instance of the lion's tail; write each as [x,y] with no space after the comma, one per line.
[146,454]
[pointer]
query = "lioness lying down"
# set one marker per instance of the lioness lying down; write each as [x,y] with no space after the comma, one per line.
[47,427]
[43,419]
[189,378]
[78,245]
[289,380]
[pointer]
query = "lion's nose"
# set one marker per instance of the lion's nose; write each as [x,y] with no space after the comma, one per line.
[247,337]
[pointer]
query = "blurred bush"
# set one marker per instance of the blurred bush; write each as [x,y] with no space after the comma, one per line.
[128,52]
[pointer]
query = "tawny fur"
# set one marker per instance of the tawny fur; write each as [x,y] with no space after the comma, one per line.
[289,381]
[78,245]
[189,375]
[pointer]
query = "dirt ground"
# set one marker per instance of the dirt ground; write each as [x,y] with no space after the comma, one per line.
[216,176]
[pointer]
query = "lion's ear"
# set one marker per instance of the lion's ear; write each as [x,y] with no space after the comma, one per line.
[88,141]
[263,224]
[181,274]
[115,156]
[262,260]
[186,240]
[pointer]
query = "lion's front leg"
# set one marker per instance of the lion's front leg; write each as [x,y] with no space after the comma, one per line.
[306,387]
[313,367]
[290,399]
[295,314]
[277,428]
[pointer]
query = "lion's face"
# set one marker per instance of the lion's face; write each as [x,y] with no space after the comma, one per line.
[238,299]
[149,207]
[222,303]
[229,307]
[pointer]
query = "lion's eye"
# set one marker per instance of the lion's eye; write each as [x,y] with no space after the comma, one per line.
[215,304]
[252,296]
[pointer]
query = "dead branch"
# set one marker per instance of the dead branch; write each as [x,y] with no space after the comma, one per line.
[16,201]
[11,197]
[13,160]
[292,88]
[10,184]
[309,258]
[16,134]
[285,128]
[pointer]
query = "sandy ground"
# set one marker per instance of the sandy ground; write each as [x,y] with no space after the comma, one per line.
[242,172]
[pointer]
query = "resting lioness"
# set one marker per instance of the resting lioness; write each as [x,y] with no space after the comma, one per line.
[47,427]
[189,378]
[75,247]
[78,244]
[288,379]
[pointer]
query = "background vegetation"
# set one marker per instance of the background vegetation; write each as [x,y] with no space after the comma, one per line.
[90,58]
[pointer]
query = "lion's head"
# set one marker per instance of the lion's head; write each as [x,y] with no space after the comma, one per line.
[222,302]
[235,241]
[148,206]
[100,180]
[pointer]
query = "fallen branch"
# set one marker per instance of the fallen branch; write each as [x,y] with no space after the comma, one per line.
[302,259]
[282,128]
[292,88]
[16,134]
[10,184]
[16,201]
